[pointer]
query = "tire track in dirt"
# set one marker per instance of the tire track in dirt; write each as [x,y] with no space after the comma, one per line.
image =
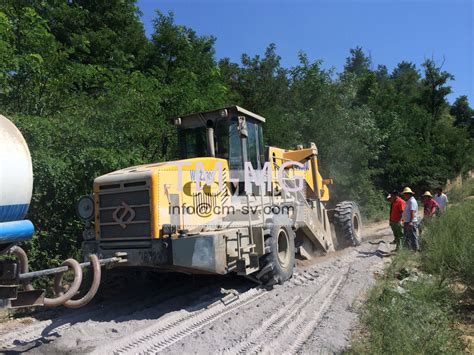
[276,323]
[45,331]
[159,337]
[314,318]
[293,330]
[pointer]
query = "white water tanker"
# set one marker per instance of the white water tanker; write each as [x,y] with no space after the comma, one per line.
[16,184]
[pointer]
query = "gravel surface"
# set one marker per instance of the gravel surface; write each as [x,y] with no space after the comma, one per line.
[315,311]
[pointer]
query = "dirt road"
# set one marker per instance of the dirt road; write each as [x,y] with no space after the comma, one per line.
[314,311]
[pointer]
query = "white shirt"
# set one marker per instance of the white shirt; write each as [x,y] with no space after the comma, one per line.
[411,205]
[442,201]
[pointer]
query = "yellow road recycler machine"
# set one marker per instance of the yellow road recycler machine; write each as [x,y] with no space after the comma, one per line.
[229,205]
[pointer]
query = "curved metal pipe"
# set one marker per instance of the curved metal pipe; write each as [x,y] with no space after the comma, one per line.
[95,263]
[23,259]
[64,297]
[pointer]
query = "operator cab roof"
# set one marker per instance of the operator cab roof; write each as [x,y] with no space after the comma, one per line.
[198,118]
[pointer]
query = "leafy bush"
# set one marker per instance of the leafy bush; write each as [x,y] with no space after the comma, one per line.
[449,244]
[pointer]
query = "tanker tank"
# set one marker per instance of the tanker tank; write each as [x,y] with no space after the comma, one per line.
[16,185]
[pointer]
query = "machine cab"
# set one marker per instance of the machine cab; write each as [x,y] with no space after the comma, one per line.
[231,133]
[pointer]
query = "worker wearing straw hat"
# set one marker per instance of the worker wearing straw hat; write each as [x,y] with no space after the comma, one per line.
[410,219]
[430,209]
[430,206]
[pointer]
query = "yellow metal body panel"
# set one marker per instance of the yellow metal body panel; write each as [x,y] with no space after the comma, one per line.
[190,200]
[307,157]
[155,216]
[165,189]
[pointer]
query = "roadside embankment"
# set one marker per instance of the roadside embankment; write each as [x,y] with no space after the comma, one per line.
[424,301]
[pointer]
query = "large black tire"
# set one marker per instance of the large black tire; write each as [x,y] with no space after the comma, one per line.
[279,261]
[348,224]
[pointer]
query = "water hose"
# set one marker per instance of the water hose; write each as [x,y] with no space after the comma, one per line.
[71,292]
[95,264]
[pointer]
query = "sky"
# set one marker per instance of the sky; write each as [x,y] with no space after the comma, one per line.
[389,30]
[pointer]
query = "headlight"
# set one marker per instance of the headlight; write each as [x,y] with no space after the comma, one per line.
[85,207]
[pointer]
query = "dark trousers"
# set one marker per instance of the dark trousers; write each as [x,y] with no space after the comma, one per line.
[411,236]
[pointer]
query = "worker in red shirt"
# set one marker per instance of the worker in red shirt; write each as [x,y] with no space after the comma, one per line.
[397,205]
[431,207]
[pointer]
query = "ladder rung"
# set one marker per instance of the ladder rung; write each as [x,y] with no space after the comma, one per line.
[247,247]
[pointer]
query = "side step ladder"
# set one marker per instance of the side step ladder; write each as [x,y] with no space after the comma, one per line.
[247,260]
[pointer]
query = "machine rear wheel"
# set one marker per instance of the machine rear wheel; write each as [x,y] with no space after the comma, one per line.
[278,264]
[348,224]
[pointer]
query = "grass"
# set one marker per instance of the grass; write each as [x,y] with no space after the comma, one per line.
[416,317]
[448,244]
[459,193]
[414,308]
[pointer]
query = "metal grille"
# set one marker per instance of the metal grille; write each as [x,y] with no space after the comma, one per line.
[124,211]
[204,202]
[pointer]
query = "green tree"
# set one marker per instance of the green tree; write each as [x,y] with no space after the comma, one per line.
[98,32]
[434,90]
[33,55]
[463,114]
[358,66]
[184,62]
[358,62]
[8,63]
[262,82]
[406,80]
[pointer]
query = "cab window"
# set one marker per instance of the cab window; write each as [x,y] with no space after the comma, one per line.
[252,143]
[221,138]
[192,142]
[235,150]
[261,148]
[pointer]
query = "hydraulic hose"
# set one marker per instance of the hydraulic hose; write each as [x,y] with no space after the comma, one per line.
[23,259]
[95,264]
[76,283]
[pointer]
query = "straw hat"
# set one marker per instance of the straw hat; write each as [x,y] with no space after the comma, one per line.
[427,193]
[407,190]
